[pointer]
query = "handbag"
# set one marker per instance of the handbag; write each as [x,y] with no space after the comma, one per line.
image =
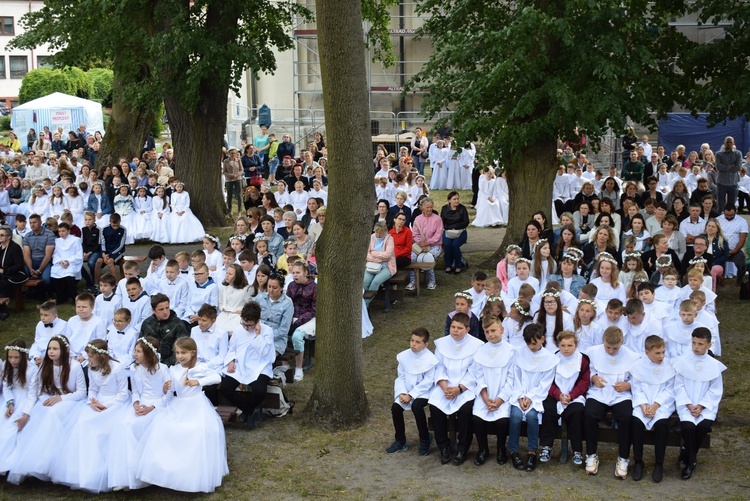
[372,267]
[453,234]
[424,154]
[415,247]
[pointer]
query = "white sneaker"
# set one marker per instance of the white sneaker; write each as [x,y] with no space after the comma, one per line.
[592,464]
[431,286]
[299,376]
[411,286]
[621,469]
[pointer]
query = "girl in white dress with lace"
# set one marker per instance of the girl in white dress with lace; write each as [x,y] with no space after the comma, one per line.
[142,227]
[420,188]
[160,216]
[124,206]
[488,206]
[234,292]
[82,462]
[503,195]
[186,446]
[466,165]
[75,205]
[17,376]
[57,202]
[454,167]
[49,412]
[439,156]
[39,202]
[184,227]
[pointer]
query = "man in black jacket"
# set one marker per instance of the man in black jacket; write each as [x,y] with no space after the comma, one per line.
[12,267]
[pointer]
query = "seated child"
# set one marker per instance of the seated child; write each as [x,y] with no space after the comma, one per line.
[589,291]
[248,263]
[121,337]
[492,370]
[679,330]
[478,294]
[695,283]
[463,302]
[107,302]
[49,325]
[652,382]
[158,259]
[85,326]
[290,250]
[138,302]
[669,293]
[183,261]
[212,342]
[514,324]
[587,331]
[638,326]
[655,310]
[697,396]
[566,397]
[113,245]
[228,257]
[174,287]
[523,276]
[609,390]
[202,290]
[614,316]
[708,319]
[454,389]
[412,388]
[532,377]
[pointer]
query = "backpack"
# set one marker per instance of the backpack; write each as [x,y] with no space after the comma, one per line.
[286,406]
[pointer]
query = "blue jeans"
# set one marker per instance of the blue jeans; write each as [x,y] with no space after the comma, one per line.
[373,281]
[88,276]
[532,429]
[419,163]
[273,164]
[452,249]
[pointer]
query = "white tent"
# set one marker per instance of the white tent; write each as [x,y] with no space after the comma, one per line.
[57,110]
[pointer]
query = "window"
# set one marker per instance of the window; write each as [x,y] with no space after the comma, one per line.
[43,62]
[6,26]
[19,66]
[2,67]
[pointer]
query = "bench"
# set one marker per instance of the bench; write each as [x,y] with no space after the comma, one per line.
[228,412]
[18,297]
[393,289]
[416,268]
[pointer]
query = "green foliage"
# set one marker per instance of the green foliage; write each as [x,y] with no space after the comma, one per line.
[517,72]
[100,84]
[4,122]
[45,81]
[157,127]
[377,13]
[78,78]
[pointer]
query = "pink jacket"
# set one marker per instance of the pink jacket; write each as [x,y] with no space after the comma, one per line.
[388,255]
[431,229]
[502,273]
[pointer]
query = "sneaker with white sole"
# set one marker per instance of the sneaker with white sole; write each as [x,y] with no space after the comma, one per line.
[621,468]
[411,286]
[431,286]
[592,464]
[577,458]
[545,455]
[298,376]
[396,446]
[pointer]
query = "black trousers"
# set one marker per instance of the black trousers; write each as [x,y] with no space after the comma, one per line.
[65,289]
[660,429]
[463,426]
[483,428]
[693,435]
[417,407]
[561,206]
[246,401]
[594,411]
[475,175]
[572,415]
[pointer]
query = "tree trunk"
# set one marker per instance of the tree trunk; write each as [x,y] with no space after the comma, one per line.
[126,131]
[197,138]
[530,181]
[338,400]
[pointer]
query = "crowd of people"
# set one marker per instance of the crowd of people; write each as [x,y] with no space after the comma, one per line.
[535,342]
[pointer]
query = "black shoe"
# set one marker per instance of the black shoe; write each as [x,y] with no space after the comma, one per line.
[502,455]
[658,473]
[481,457]
[683,456]
[531,462]
[517,461]
[445,455]
[459,458]
[687,472]
[4,316]
[638,470]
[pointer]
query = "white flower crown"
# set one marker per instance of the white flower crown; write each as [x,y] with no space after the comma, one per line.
[664,264]
[241,238]
[512,247]
[145,341]
[697,260]
[93,348]
[635,254]
[464,295]
[571,257]
[16,348]
[520,309]
[61,339]
[523,260]
[551,293]
[588,301]
[494,299]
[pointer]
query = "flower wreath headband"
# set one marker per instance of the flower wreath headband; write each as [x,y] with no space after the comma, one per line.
[513,247]
[16,348]
[551,293]
[464,295]
[145,341]
[523,260]
[93,348]
[241,238]
[588,301]
[213,239]
[635,255]
[697,260]
[664,264]
[61,339]
[494,299]
[517,305]
[571,256]
[607,257]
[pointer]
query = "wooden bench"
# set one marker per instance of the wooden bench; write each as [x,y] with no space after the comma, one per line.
[392,289]
[18,298]
[416,268]
[228,412]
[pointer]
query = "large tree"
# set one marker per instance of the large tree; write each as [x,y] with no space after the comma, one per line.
[521,74]
[188,53]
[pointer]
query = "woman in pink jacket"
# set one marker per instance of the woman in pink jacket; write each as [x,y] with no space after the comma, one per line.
[381,259]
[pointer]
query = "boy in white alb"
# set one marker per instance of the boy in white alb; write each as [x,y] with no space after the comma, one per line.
[493,371]
[130,270]
[708,319]
[523,276]
[138,302]
[49,325]
[212,342]
[679,331]
[669,293]
[532,378]
[174,287]
[84,326]
[477,292]
[638,326]
[202,290]
[613,316]
[695,283]
[157,266]
[652,385]
[412,388]
[610,390]
[121,337]
[107,302]
[454,388]
[655,310]
[698,388]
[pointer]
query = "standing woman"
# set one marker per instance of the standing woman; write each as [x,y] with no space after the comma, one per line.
[418,153]
[455,219]
[381,259]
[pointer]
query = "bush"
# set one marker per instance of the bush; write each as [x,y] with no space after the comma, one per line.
[44,81]
[81,84]
[158,127]
[100,85]
[5,123]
